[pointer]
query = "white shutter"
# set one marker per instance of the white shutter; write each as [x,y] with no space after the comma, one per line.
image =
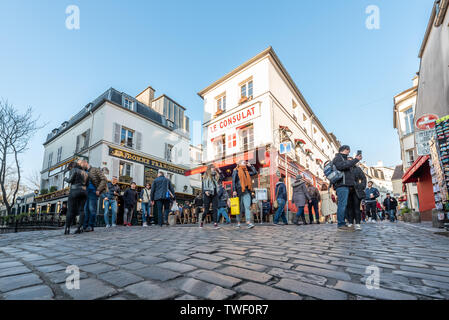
[115,167]
[87,140]
[137,174]
[116,133]
[78,139]
[138,140]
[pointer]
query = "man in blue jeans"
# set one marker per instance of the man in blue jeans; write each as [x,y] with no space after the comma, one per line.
[343,186]
[145,197]
[281,197]
[111,200]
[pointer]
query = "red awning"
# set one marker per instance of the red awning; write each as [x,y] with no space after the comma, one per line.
[411,176]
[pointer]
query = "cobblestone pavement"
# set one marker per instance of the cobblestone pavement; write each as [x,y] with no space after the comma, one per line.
[267,262]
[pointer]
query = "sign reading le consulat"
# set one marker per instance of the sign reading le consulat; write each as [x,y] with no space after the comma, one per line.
[143,160]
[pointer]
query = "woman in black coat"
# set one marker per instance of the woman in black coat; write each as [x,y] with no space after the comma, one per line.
[77,179]
[356,194]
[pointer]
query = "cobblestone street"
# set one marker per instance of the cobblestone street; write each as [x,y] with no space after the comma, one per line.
[267,262]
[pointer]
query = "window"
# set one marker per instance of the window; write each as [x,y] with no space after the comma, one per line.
[247,89]
[304,118]
[125,169]
[232,140]
[128,104]
[408,120]
[219,146]
[168,152]
[58,158]
[410,157]
[50,159]
[82,141]
[247,138]
[221,103]
[127,137]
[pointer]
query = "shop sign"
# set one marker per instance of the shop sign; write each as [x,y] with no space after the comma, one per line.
[233,120]
[426,122]
[423,141]
[154,164]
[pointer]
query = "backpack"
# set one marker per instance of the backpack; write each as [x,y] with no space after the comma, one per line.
[331,172]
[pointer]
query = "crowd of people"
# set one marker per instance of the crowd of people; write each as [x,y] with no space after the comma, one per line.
[352,199]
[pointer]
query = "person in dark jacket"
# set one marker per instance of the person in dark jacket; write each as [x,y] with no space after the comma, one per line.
[197,207]
[390,205]
[371,195]
[77,196]
[281,198]
[242,187]
[300,198]
[162,192]
[210,195]
[223,198]
[344,165]
[110,199]
[130,202]
[146,204]
[356,194]
[315,199]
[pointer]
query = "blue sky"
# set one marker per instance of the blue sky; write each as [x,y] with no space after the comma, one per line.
[347,73]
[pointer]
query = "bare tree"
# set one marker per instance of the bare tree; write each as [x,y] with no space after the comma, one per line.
[33,180]
[16,130]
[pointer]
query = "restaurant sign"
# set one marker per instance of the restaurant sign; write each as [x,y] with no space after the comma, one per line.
[155,164]
[234,120]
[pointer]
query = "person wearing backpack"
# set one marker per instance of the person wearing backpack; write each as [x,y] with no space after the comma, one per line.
[356,194]
[146,203]
[343,185]
[281,199]
[300,198]
[161,194]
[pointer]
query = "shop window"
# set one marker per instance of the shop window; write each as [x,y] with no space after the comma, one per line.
[232,141]
[125,169]
[127,137]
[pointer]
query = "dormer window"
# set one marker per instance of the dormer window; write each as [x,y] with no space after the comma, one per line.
[128,103]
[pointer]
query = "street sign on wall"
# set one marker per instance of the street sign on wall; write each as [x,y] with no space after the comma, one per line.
[422,139]
[285,147]
[426,122]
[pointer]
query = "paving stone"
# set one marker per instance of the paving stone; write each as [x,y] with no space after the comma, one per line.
[425,270]
[359,289]
[307,289]
[41,292]
[175,257]
[270,263]
[120,278]
[10,264]
[215,278]
[203,264]
[436,284]
[201,289]
[45,262]
[267,256]
[246,265]
[51,268]
[18,281]
[32,257]
[89,289]
[230,255]
[13,271]
[151,291]
[245,274]
[295,275]
[156,273]
[79,261]
[187,297]
[61,276]
[249,297]
[422,276]
[211,257]
[97,268]
[324,272]
[266,292]
[308,258]
[176,266]
[315,264]
[149,260]
[133,266]
[116,261]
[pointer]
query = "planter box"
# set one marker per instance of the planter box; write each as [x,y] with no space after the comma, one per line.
[415,217]
[407,216]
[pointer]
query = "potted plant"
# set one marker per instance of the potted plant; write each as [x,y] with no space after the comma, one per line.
[243,99]
[406,214]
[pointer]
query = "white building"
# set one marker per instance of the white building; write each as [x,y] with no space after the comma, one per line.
[134,138]
[250,110]
[404,121]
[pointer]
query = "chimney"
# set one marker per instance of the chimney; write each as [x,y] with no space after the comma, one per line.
[146,96]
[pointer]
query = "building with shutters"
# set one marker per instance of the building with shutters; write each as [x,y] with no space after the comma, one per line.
[134,138]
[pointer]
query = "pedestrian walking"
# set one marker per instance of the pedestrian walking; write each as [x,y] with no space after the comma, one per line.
[300,198]
[110,200]
[223,203]
[342,186]
[210,195]
[161,194]
[328,206]
[77,179]
[242,186]
[145,199]
[356,194]
[96,186]
[371,195]
[281,199]
[130,202]
[315,199]
[390,206]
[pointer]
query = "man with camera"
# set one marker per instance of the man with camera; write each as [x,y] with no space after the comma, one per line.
[344,165]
